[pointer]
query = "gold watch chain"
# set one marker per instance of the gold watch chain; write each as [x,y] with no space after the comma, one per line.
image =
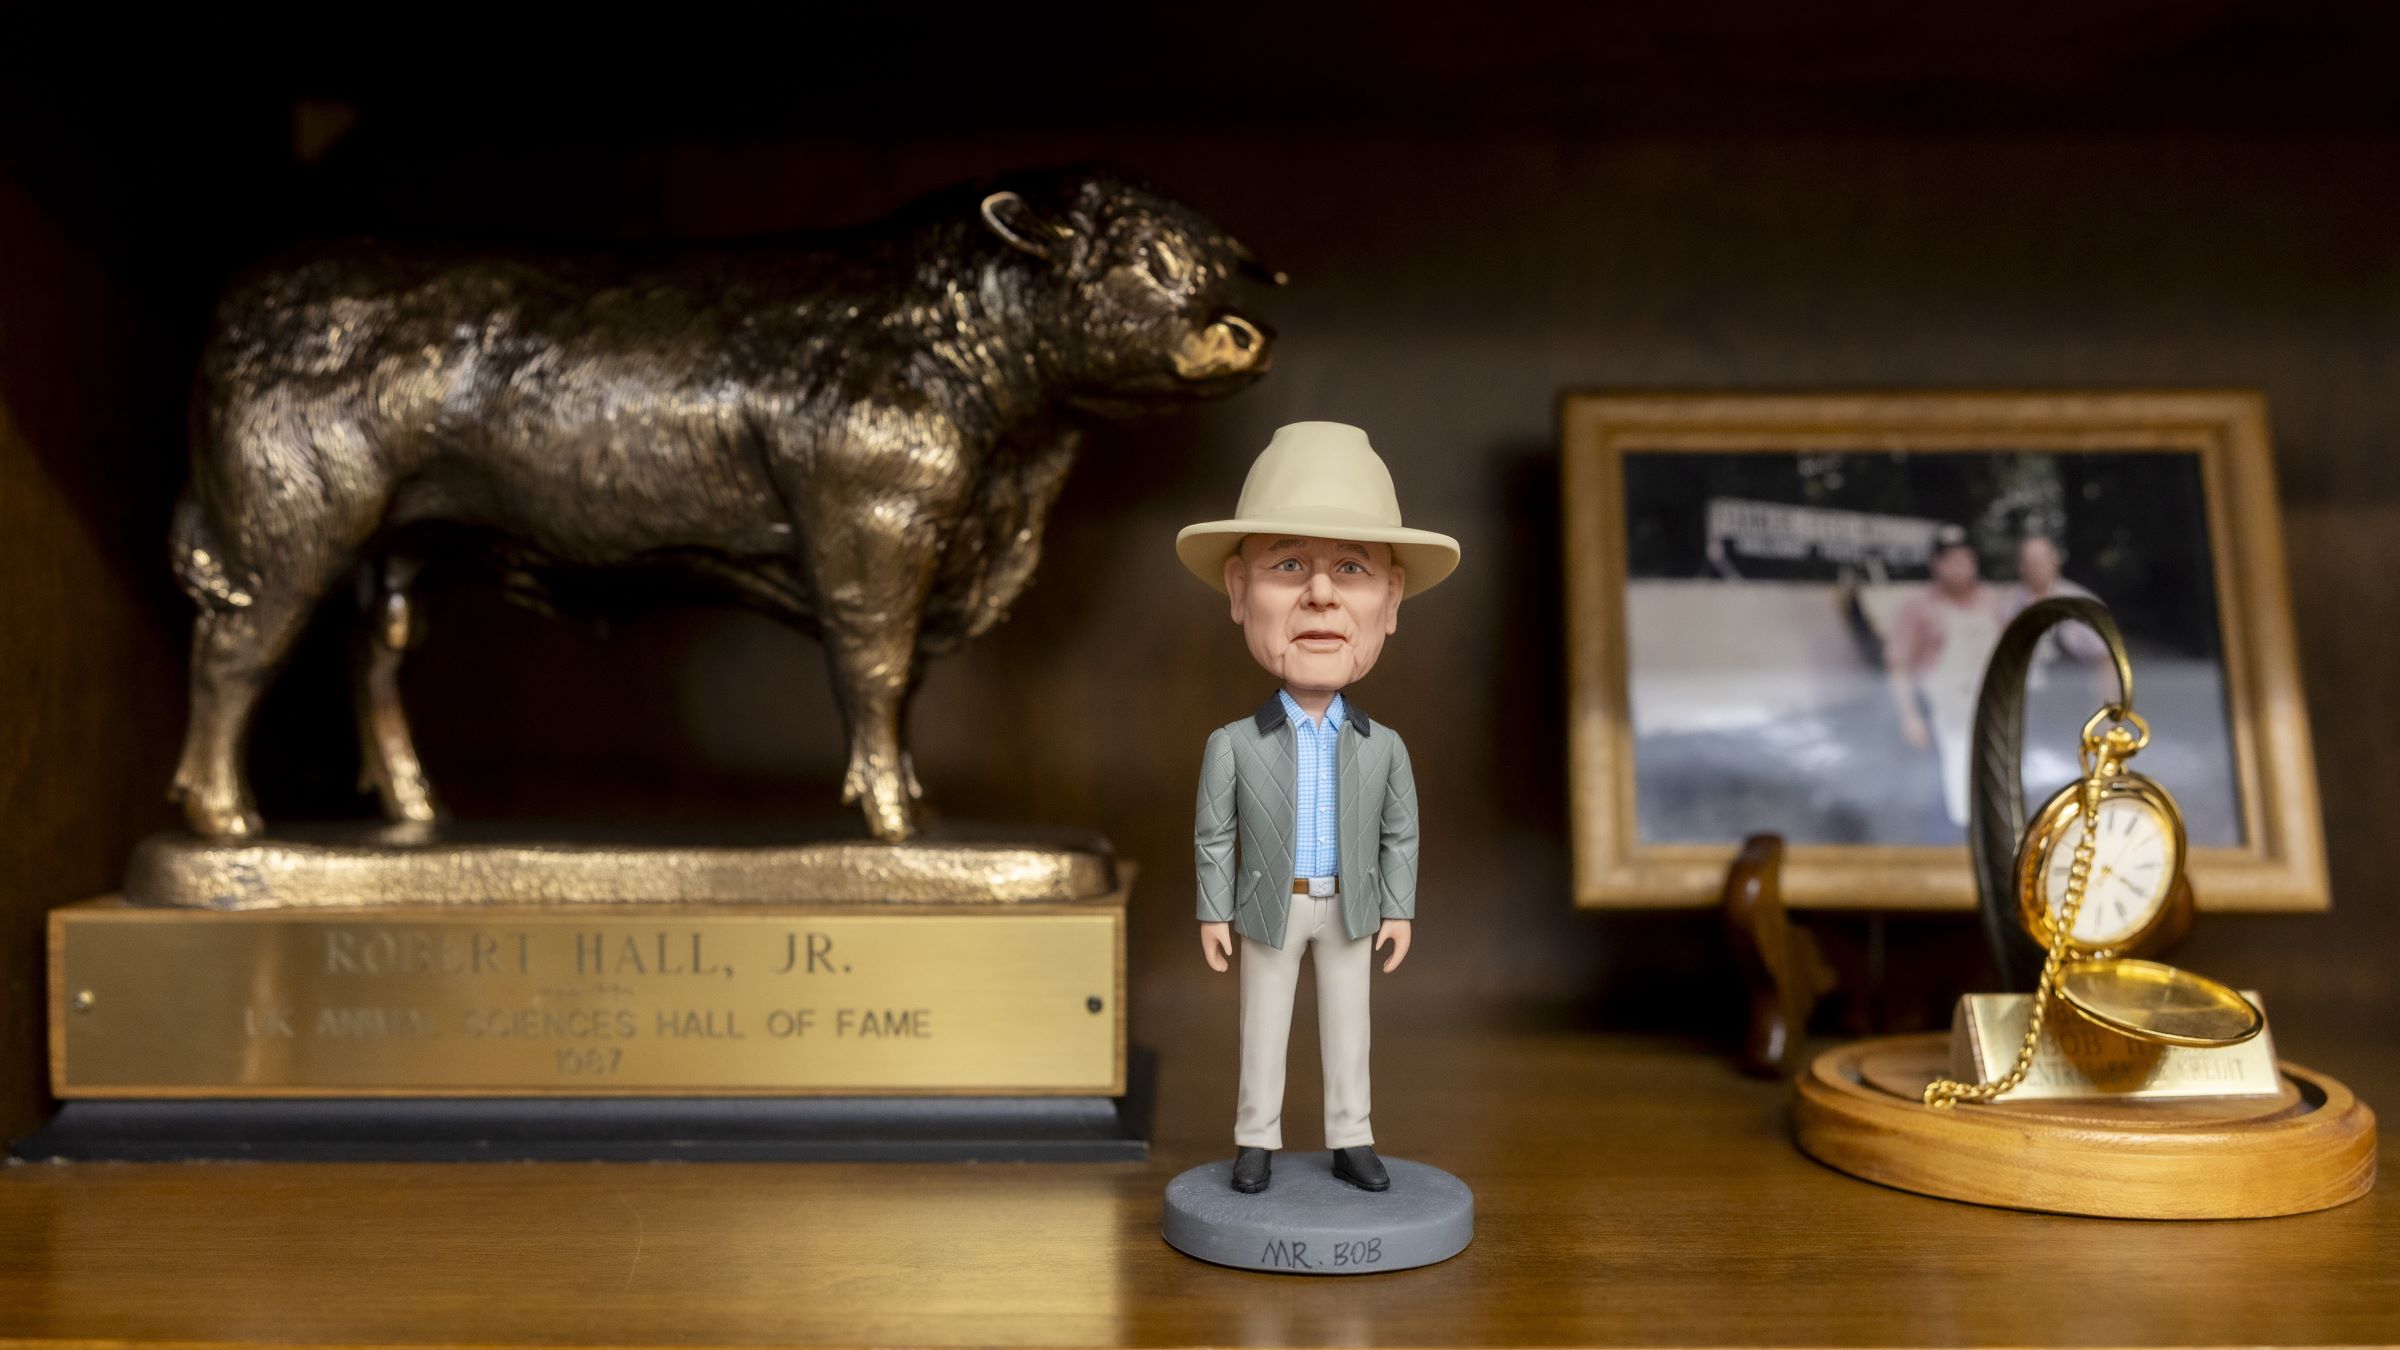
[1944,1093]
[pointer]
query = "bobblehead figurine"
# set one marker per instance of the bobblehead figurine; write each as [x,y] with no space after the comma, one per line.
[1306,829]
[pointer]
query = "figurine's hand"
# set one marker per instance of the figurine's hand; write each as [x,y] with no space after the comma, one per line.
[1216,944]
[1395,932]
[1915,732]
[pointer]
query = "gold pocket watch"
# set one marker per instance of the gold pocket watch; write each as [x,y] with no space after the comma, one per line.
[2096,877]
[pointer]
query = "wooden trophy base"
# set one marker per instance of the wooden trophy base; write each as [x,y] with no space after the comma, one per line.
[2312,1147]
[456,994]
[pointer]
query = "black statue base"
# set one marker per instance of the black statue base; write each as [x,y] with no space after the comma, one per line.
[623,1129]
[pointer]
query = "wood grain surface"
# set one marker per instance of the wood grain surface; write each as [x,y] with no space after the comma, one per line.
[1628,1192]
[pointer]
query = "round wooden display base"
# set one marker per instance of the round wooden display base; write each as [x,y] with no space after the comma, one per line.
[2228,1158]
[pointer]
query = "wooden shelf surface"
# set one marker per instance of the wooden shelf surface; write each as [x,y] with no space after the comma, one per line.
[1629,1191]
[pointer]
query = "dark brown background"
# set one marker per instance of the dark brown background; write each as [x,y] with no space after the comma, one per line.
[1476,219]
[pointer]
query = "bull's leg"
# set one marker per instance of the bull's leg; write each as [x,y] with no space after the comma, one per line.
[235,653]
[387,754]
[873,569]
[870,666]
[908,698]
[294,526]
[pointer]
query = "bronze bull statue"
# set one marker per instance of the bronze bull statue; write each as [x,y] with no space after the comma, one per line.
[860,433]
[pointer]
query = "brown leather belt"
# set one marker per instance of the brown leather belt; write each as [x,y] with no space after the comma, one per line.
[1300,885]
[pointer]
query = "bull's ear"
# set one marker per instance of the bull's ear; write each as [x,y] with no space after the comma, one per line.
[1007,215]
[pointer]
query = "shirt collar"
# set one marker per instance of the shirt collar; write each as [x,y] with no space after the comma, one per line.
[1296,714]
[1280,709]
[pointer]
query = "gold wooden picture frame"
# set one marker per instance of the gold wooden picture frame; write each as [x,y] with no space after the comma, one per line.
[2274,860]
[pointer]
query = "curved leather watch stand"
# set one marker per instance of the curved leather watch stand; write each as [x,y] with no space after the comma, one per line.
[1996,772]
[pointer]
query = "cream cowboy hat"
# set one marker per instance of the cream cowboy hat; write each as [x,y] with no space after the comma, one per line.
[1319,480]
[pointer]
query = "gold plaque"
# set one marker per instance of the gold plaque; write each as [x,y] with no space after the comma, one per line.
[625,1000]
[2079,1058]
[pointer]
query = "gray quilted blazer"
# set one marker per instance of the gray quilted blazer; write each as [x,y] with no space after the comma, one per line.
[1243,835]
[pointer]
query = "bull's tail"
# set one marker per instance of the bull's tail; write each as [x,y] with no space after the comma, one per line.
[205,567]
[202,566]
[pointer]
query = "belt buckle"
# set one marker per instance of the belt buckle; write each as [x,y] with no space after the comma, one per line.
[1321,888]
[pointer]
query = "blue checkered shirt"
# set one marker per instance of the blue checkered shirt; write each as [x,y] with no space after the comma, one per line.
[1316,833]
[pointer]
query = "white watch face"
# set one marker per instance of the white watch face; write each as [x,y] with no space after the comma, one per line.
[2133,864]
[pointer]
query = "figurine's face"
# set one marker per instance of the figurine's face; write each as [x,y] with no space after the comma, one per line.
[1315,611]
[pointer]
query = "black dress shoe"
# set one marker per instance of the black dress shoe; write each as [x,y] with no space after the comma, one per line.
[1361,1168]
[1250,1170]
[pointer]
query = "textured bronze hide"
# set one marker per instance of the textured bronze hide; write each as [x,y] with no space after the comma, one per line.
[861,433]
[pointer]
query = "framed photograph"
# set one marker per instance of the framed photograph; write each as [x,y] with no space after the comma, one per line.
[1779,609]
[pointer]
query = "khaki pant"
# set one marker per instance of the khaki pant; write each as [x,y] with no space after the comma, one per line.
[1269,978]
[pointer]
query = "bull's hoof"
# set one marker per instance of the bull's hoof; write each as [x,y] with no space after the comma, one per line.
[219,816]
[407,799]
[891,822]
[416,809]
[884,792]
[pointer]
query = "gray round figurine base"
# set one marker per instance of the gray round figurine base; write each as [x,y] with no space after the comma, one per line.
[1308,1222]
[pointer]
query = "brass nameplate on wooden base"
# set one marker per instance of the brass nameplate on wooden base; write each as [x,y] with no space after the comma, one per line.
[1860,1109]
[622,1000]
[2079,1058]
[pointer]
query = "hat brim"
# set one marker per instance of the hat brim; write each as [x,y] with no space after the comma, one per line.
[1425,558]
